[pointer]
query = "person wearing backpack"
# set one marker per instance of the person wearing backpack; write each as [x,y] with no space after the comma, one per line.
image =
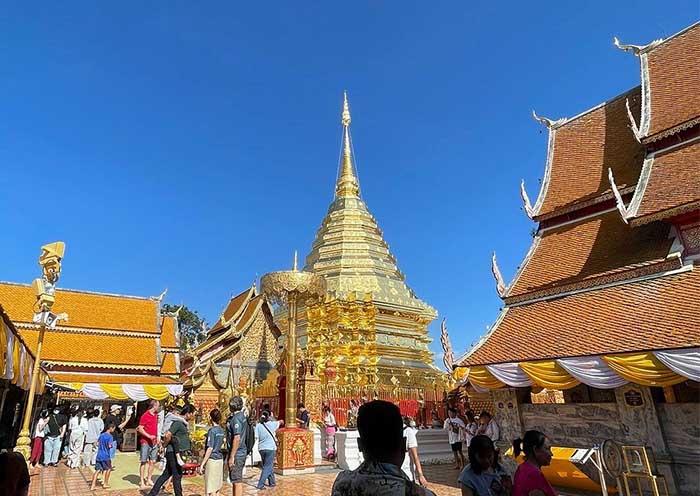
[238,436]
[267,445]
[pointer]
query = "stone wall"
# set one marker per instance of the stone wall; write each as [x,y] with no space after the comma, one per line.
[574,425]
[681,426]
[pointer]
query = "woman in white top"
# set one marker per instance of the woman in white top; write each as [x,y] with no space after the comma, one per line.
[455,433]
[331,427]
[38,442]
[471,429]
[78,426]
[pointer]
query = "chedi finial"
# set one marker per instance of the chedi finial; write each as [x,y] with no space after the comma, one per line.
[345,119]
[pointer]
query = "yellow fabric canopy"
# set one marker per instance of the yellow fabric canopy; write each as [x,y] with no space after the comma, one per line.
[549,374]
[156,392]
[643,368]
[114,391]
[16,379]
[480,376]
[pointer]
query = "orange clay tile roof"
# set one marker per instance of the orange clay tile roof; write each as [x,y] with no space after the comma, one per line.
[105,350]
[168,330]
[673,185]
[86,310]
[234,308]
[674,81]
[644,315]
[589,248]
[65,377]
[585,147]
[169,363]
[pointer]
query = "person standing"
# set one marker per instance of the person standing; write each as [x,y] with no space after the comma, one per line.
[115,417]
[212,465]
[78,428]
[529,479]
[471,429]
[95,428]
[331,426]
[383,447]
[488,427]
[411,465]
[56,426]
[148,443]
[38,442]
[303,416]
[178,430]
[236,433]
[103,462]
[455,429]
[267,445]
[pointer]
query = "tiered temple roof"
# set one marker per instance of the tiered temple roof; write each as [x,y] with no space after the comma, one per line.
[613,267]
[108,337]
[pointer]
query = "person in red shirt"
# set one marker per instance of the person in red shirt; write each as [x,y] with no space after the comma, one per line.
[529,479]
[148,438]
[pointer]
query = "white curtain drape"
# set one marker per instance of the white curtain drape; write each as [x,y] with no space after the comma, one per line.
[94,391]
[135,392]
[174,389]
[510,374]
[592,371]
[685,362]
[9,362]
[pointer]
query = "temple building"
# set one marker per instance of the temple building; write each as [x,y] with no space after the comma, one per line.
[109,346]
[599,335]
[369,337]
[238,356]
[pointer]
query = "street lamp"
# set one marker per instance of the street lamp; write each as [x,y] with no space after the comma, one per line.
[44,289]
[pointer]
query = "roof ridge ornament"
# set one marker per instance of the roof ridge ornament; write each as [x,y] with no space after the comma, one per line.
[160,297]
[633,123]
[448,356]
[636,49]
[549,123]
[500,283]
[618,197]
[526,200]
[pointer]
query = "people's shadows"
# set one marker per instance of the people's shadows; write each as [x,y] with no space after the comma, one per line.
[132,479]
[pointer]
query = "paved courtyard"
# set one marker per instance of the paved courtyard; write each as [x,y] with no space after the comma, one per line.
[61,481]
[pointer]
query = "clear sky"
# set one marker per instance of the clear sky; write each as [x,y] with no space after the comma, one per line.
[194,145]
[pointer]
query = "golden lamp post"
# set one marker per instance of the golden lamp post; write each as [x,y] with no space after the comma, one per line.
[44,288]
[292,288]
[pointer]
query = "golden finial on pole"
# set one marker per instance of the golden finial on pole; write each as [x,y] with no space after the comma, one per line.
[346,120]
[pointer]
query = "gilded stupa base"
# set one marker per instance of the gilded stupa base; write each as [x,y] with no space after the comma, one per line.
[295,451]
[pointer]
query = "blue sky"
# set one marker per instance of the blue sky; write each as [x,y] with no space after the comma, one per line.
[193,145]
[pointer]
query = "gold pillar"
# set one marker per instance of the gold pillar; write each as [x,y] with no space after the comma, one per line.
[290,417]
[23,441]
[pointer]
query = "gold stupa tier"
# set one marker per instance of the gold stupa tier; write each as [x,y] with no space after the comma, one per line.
[371,329]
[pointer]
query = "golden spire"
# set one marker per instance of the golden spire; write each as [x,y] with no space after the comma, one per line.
[347,185]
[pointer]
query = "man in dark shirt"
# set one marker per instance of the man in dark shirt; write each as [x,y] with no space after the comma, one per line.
[178,430]
[115,417]
[236,432]
[304,417]
[52,441]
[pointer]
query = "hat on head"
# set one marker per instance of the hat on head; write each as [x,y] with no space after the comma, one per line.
[114,408]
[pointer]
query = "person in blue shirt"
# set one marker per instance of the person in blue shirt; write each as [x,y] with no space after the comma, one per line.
[103,462]
[212,465]
[267,445]
[237,432]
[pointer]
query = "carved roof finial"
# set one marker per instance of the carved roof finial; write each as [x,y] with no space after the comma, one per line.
[448,356]
[549,123]
[500,284]
[636,49]
[176,313]
[526,200]
[347,185]
[618,197]
[633,124]
[160,297]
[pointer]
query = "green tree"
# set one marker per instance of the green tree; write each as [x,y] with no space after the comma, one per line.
[191,325]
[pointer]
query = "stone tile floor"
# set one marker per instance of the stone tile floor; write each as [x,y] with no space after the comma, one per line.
[61,481]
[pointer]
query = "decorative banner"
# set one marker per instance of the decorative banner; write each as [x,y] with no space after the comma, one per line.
[685,362]
[592,371]
[9,354]
[3,347]
[480,376]
[549,374]
[511,374]
[134,392]
[643,368]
